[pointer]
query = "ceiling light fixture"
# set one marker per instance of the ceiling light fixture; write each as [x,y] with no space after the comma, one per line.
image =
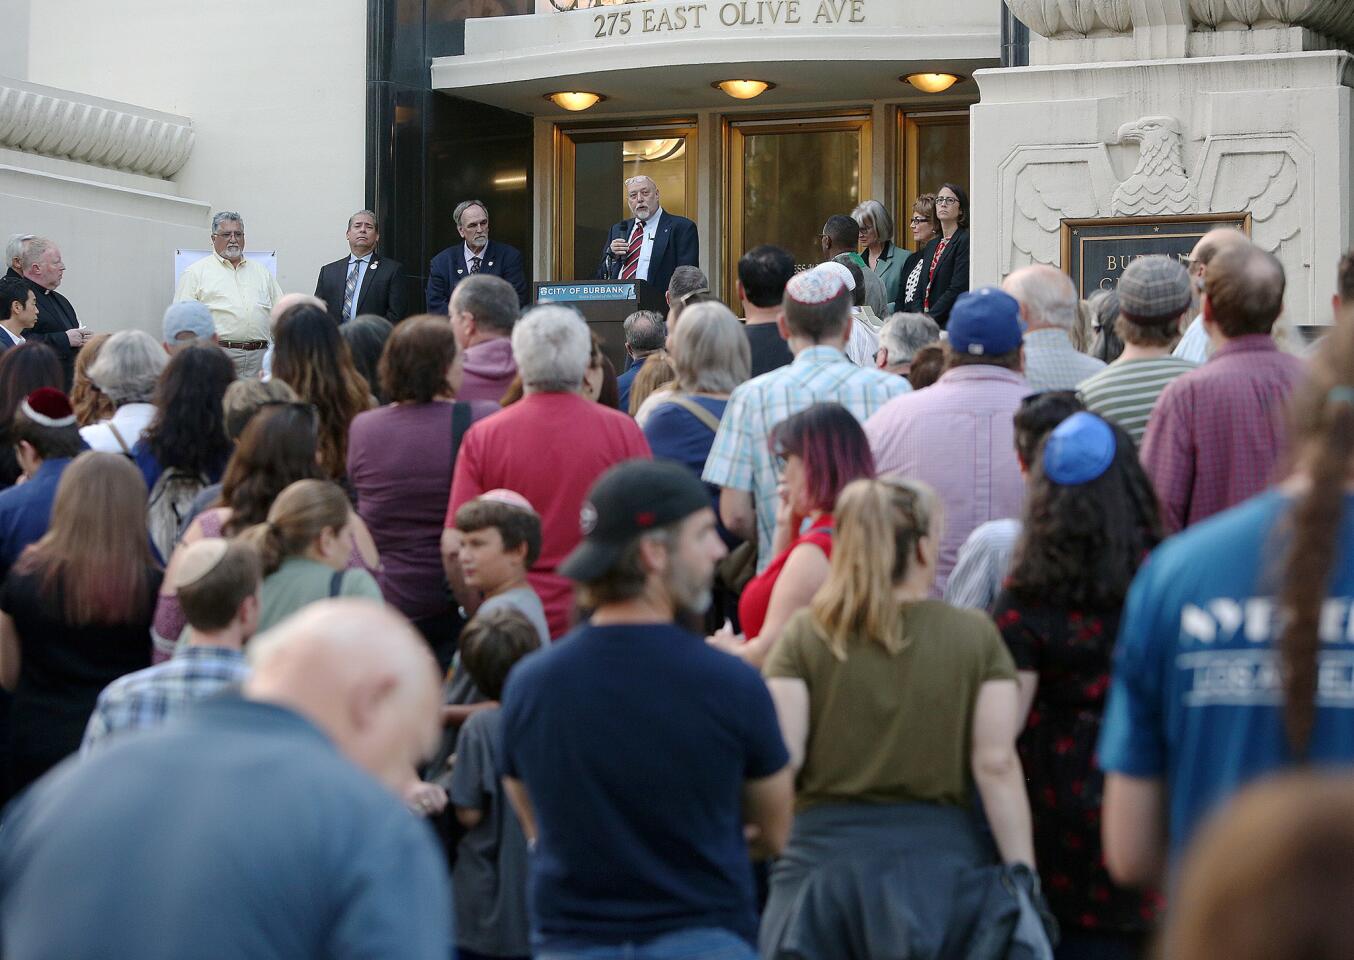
[574,99]
[932,82]
[744,89]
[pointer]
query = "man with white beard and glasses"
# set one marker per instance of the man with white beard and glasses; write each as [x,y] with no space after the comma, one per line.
[633,752]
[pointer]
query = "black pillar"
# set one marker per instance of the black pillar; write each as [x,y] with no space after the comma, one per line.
[1015,40]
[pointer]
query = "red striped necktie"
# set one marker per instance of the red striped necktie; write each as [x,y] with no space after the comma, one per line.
[632,252]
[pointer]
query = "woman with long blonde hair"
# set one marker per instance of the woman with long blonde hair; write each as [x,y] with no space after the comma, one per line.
[893,706]
[75,610]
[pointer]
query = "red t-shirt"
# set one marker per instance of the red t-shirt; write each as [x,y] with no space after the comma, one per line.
[550,448]
[756,597]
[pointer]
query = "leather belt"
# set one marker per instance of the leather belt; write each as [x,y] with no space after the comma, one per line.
[245,344]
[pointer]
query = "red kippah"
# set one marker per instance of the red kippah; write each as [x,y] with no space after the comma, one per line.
[49,407]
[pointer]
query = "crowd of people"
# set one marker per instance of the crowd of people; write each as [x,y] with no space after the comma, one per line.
[889,619]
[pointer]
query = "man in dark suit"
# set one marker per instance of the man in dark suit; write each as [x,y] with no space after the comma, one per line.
[18,311]
[652,243]
[363,282]
[477,254]
[38,262]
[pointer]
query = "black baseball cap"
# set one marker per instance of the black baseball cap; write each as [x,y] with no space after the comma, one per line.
[629,500]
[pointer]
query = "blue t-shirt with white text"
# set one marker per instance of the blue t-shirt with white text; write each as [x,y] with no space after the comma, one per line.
[1197,696]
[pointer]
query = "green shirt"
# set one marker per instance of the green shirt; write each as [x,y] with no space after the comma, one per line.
[889,728]
[301,581]
[1126,390]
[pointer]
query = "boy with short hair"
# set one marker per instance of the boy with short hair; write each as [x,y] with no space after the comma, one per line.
[490,874]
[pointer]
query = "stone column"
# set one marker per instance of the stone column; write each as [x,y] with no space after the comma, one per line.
[1152,107]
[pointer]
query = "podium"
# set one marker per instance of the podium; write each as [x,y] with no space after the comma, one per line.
[605,304]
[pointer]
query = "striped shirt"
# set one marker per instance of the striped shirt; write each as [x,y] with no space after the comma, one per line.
[1126,390]
[149,697]
[741,457]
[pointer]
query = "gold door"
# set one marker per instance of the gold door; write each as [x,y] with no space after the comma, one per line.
[935,151]
[593,165]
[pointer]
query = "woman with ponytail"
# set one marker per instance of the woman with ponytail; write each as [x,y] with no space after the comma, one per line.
[305,545]
[1236,652]
[895,708]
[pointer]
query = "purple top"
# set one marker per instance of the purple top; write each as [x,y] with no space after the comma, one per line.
[1216,433]
[399,464]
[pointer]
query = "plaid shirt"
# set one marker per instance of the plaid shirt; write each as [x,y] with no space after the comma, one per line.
[1052,363]
[149,697]
[1216,433]
[741,457]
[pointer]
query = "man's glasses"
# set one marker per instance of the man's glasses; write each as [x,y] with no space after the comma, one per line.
[230,235]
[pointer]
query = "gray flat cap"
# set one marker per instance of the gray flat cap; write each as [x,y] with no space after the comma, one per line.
[1154,288]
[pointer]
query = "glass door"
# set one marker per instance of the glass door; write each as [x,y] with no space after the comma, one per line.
[593,165]
[786,177]
[935,151]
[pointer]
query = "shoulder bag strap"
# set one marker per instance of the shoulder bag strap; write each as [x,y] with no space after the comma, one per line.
[460,423]
[336,583]
[696,410]
[118,437]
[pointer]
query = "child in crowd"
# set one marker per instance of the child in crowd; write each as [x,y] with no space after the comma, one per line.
[490,875]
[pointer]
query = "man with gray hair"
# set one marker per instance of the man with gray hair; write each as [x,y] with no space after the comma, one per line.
[475,254]
[550,447]
[363,281]
[238,291]
[645,335]
[1048,308]
[483,310]
[901,336]
[652,243]
[286,795]
[37,261]
[126,371]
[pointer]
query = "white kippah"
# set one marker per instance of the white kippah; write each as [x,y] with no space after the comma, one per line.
[841,271]
[199,559]
[815,286]
[509,497]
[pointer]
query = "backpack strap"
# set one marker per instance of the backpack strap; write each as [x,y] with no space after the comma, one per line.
[118,437]
[696,410]
[460,423]
[336,583]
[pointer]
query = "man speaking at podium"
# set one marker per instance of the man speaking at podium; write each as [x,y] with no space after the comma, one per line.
[652,243]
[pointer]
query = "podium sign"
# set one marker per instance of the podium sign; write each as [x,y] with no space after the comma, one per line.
[604,304]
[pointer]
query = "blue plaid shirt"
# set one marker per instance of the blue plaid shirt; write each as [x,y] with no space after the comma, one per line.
[149,697]
[741,457]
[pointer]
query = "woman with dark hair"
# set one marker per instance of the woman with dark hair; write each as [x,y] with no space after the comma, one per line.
[76,611]
[925,228]
[277,448]
[366,336]
[898,711]
[1090,520]
[821,449]
[945,273]
[400,462]
[23,369]
[185,448]
[599,383]
[1234,649]
[312,358]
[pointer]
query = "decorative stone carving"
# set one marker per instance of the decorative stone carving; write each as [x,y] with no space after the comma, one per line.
[52,122]
[1073,18]
[1065,19]
[1158,185]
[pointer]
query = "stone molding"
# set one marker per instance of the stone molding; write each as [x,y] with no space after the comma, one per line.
[1082,19]
[104,133]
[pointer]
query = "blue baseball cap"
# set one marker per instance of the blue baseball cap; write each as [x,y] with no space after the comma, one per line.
[985,322]
[1079,450]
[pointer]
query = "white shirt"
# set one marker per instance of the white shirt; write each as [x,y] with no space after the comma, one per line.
[646,247]
[1194,345]
[863,343]
[471,255]
[131,420]
[361,275]
[14,339]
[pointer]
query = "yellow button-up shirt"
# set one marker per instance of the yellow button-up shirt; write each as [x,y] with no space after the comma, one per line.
[239,297]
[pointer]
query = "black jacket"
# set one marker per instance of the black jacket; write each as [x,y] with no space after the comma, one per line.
[382,292]
[950,280]
[56,315]
[676,244]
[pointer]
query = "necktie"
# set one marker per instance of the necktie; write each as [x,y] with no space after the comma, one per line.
[474,264]
[350,288]
[632,252]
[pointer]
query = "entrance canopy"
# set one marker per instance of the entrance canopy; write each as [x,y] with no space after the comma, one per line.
[664,55]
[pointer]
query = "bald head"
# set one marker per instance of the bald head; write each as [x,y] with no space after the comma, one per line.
[289,300]
[1209,246]
[359,672]
[1243,291]
[1047,297]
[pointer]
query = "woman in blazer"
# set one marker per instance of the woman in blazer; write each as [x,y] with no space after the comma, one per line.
[912,275]
[946,273]
[881,254]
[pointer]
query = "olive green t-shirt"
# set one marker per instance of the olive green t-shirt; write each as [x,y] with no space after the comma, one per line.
[301,581]
[892,728]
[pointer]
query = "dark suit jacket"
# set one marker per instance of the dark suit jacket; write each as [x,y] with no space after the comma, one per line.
[951,277]
[382,290]
[675,245]
[448,269]
[56,315]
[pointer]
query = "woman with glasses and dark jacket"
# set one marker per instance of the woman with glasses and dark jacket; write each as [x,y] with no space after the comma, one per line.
[944,263]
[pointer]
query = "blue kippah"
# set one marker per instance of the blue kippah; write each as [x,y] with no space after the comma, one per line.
[1079,450]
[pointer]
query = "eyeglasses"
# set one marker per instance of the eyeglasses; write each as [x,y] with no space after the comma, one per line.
[918,221]
[946,201]
[230,235]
